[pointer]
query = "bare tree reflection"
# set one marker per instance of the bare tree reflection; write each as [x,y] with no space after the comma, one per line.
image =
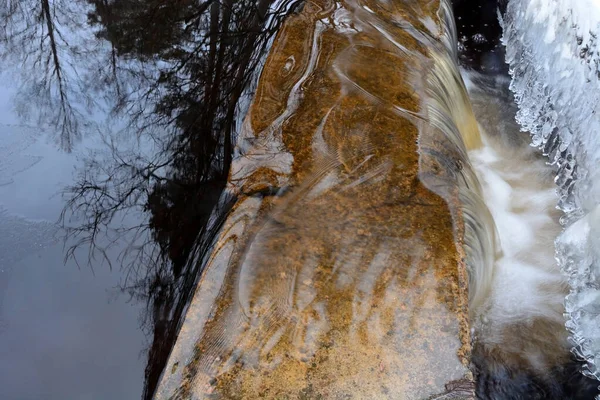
[178,72]
[33,35]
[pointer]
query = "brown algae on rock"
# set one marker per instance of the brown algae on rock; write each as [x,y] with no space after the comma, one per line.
[339,272]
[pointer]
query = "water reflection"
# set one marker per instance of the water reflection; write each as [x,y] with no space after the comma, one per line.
[338,246]
[213,51]
[180,74]
[61,328]
[60,337]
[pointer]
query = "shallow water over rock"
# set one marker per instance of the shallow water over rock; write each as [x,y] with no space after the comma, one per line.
[340,271]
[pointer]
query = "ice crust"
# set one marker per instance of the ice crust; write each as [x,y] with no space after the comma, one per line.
[553,54]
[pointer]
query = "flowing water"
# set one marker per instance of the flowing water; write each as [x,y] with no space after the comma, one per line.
[518,188]
[324,274]
[357,214]
[385,230]
[338,262]
[521,325]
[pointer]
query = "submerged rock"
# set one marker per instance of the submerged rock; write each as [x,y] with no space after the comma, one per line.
[341,270]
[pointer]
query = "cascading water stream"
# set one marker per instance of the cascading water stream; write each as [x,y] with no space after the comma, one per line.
[507,200]
[363,190]
[520,327]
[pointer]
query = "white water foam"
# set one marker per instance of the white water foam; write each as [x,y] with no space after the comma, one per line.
[527,285]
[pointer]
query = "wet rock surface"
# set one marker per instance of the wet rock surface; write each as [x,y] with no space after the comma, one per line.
[338,273]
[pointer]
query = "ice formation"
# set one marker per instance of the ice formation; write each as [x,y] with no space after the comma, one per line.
[554,59]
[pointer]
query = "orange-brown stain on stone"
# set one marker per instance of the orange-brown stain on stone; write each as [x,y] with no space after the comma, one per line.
[351,284]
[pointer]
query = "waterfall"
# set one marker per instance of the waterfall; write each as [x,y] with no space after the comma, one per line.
[391,233]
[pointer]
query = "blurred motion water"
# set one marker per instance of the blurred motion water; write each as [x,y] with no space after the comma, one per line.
[296,199]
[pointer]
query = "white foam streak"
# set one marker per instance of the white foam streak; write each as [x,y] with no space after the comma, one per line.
[517,188]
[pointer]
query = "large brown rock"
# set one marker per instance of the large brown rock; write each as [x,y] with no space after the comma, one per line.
[339,273]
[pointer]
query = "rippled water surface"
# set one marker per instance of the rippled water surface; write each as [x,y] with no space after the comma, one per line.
[338,264]
[298,199]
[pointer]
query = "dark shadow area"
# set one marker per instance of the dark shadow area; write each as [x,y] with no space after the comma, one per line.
[479,33]
[501,381]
